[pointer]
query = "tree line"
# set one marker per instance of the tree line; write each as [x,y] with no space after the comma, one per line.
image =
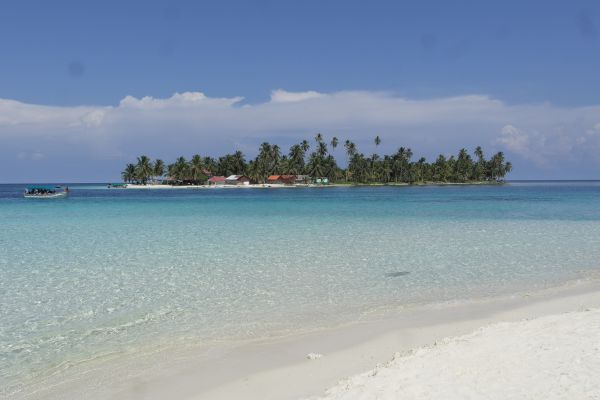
[399,167]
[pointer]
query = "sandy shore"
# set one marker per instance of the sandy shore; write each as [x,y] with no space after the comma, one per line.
[552,357]
[310,185]
[351,350]
[560,348]
[217,187]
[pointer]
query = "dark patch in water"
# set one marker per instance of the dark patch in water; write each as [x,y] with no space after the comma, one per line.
[398,273]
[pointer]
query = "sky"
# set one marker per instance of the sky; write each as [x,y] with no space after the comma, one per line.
[86,86]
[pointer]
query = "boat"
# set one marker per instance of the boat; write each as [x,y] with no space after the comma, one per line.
[117,185]
[46,192]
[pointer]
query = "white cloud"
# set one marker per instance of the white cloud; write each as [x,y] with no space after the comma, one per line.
[282,96]
[92,119]
[186,99]
[190,122]
[524,144]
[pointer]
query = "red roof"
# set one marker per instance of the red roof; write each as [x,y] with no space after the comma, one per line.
[284,178]
[216,179]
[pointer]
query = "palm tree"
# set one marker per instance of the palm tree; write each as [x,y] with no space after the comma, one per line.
[397,167]
[275,159]
[375,167]
[507,168]
[210,165]
[322,149]
[478,153]
[144,169]
[305,145]
[497,168]
[267,161]
[179,171]
[440,173]
[350,148]
[420,167]
[196,169]
[252,171]
[350,151]
[159,168]
[464,166]
[296,160]
[331,168]
[359,168]
[387,168]
[315,166]
[479,168]
[238,163]
[374,157]
[334,142]
[128,173]
[401,162]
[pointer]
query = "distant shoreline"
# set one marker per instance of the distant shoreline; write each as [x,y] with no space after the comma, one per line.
[106,182]
[280,186]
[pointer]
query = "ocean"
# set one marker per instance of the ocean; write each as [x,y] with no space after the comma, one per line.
[120,271]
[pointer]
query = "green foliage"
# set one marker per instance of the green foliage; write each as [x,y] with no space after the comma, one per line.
[129,173]
[398,167]
[159,168]
[144,169]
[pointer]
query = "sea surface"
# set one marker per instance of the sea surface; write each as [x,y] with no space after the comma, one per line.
[116,271]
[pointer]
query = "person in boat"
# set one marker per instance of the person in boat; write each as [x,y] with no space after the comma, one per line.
[40,191]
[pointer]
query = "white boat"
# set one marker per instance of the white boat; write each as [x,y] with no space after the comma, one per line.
[46,192]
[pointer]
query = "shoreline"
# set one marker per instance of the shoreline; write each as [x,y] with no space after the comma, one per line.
[549,357]
[279,368]
[354,349]
[282,186]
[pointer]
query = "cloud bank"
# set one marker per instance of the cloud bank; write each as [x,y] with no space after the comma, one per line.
[40,142]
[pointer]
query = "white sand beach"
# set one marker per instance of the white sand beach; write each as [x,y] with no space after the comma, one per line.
[543,344]
[552,357]
[538,345]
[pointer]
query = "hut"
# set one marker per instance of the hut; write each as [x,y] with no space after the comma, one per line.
[273,179]
[216,180]
[237,180]
[302,179]
[282,179]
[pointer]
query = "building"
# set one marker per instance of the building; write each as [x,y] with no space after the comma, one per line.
[237,180]
[273,179]
[282,179]
[303,179]
[216,180]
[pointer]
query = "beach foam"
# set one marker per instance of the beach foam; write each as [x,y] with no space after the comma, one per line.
[553,357]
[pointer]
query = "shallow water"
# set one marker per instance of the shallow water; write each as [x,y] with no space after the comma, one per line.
[113,271]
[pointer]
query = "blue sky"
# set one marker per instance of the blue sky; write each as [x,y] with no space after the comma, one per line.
[525,63]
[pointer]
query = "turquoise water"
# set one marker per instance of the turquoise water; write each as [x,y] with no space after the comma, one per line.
[118,271]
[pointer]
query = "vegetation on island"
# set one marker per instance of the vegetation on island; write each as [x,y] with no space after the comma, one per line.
[399,167]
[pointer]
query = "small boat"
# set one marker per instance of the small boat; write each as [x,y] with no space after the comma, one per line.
[117,185]
[46,192]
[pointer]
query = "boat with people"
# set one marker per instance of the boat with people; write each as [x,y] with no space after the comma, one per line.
[46,192]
